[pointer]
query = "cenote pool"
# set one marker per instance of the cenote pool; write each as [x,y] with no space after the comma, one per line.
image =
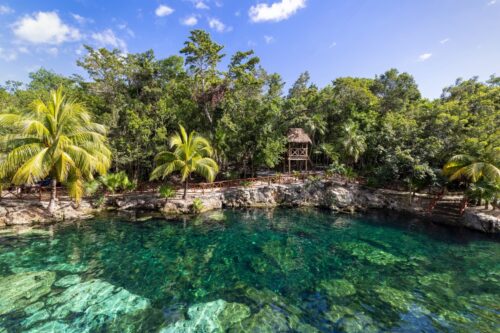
[250,271]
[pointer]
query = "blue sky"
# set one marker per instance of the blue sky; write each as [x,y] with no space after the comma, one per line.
[437,41]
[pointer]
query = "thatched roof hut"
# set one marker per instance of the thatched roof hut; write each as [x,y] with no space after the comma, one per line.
[298,135]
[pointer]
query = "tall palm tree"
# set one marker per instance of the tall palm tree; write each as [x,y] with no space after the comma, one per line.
[191,153]
[353,143]
[57,139]
[474,169]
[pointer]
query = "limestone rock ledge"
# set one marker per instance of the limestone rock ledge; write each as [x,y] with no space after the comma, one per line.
[332,195]
[475,219]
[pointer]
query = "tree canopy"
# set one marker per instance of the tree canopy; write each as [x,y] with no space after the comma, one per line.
[380,128]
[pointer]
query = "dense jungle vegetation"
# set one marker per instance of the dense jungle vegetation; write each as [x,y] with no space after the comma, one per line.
[379,128]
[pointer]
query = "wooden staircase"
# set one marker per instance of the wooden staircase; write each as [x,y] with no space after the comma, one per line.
[447,208]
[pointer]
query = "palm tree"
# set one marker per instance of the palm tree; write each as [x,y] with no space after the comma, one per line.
[190,154]
[353,143]
[474,169]
[56,139]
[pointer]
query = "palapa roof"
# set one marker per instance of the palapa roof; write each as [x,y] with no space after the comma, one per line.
[298,135]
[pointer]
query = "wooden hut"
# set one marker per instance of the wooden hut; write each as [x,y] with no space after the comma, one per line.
[298,148]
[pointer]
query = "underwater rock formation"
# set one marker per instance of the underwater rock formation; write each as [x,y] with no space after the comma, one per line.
[213,317]
[20,290]
[337,288]
[93,306]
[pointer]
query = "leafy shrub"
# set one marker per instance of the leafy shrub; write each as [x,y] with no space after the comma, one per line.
[245,183]
[99,201]
[197,206]
[92,187]
[314,179]
[115,182]
[167,191]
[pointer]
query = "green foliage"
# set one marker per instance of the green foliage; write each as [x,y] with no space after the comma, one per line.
[167,191]
[197,206]
[246,183]
[379,128]
[474,169]
[191,154]
[484,190]
[92,187]
[117,182]
[55,138]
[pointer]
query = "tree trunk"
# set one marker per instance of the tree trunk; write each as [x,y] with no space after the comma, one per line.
[185,189]
[53,197]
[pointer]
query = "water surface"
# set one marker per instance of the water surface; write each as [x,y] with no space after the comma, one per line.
[286,270]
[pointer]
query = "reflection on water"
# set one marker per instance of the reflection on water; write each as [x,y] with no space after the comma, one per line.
[301,270]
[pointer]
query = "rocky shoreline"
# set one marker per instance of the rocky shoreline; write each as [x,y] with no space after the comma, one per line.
[340,197]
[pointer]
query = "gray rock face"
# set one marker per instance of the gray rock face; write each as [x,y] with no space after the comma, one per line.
[311,193]
[475,219]
[30,212]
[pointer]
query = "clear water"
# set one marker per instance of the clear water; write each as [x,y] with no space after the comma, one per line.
[331,273]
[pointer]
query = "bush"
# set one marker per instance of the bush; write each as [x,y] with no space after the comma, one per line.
[116,182]
[197,206]
[167,191]
[99,201]
[246,183]
[92,187]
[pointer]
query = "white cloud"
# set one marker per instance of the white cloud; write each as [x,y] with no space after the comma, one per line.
[269,39]
[81,20]
[492,2]
[190,21]
[79,51]
[44,28]
[332,45]
[53,51]
[278,11]
[425,56]
[23,49]
[125,28]
[218,25]
[108,38]
[163,10]
[444,41]
[8,55]
[5,10]
[201,5]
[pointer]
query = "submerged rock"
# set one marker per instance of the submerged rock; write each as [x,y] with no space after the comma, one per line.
[67,281]
[287,256]
[269,320]
[337,288]
[212,317]
[399,299]
[52,327]
[20,290]
[370,253]
[267,297]
[358,323]
[266,320]
[338,312]
[93,306]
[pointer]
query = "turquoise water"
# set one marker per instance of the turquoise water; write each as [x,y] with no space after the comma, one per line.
[251,271]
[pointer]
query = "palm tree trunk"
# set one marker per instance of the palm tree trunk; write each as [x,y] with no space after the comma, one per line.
[53,197]
[185,189]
